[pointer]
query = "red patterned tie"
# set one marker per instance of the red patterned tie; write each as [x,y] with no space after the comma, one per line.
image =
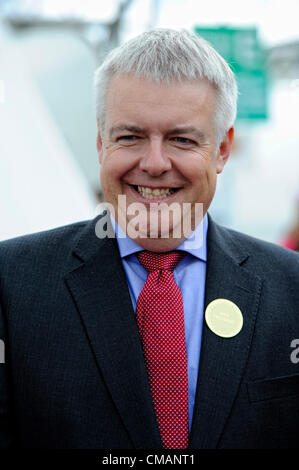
[160,317]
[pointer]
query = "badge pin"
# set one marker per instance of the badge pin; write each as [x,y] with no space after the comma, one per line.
[224,318]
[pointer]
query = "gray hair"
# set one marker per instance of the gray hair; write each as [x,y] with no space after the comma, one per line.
[167,55]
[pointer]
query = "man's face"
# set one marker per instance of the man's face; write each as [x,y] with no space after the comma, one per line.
[160,137]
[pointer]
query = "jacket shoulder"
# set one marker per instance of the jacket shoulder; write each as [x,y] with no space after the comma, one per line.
[264,256]
[43,247]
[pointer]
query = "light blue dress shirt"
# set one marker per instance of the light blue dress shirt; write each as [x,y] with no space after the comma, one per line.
[190,276]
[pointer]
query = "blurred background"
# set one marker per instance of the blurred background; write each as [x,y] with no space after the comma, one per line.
[49,49]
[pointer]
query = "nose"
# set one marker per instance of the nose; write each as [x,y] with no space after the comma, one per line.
[155,161]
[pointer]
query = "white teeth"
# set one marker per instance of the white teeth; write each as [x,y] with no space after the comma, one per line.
[157,192]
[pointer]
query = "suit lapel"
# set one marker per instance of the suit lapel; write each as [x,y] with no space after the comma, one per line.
[100,291]
[223,360]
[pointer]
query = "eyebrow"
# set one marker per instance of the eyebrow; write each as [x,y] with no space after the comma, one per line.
[175,131]
[124,127]
[188,130]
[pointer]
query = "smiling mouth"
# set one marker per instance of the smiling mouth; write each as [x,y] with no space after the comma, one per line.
[154,193]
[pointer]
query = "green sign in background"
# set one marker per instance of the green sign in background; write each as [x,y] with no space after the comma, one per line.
[241,48]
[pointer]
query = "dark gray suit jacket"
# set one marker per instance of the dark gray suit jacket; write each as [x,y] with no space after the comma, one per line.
[74,373]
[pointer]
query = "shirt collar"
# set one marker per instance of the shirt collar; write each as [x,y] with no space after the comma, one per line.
[127,246]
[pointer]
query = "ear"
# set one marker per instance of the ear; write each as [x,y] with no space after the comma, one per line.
[99,143]
[224,150]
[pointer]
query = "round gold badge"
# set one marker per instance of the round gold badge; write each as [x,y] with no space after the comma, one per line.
[224,318]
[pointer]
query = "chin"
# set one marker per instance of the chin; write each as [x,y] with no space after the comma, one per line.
[159,244]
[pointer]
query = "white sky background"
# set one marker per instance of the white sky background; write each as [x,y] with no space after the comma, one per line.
[88,9]
[277,20]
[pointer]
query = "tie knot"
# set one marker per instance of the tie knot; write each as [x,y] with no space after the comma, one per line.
[155,261]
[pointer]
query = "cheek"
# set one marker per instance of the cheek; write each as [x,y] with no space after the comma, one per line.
[209,180]
[203,180]
[115,165]
[197,170]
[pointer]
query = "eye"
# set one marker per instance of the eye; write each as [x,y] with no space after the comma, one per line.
[183,141]
[127,138]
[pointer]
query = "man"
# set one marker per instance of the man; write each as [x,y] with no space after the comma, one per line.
[145,340]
